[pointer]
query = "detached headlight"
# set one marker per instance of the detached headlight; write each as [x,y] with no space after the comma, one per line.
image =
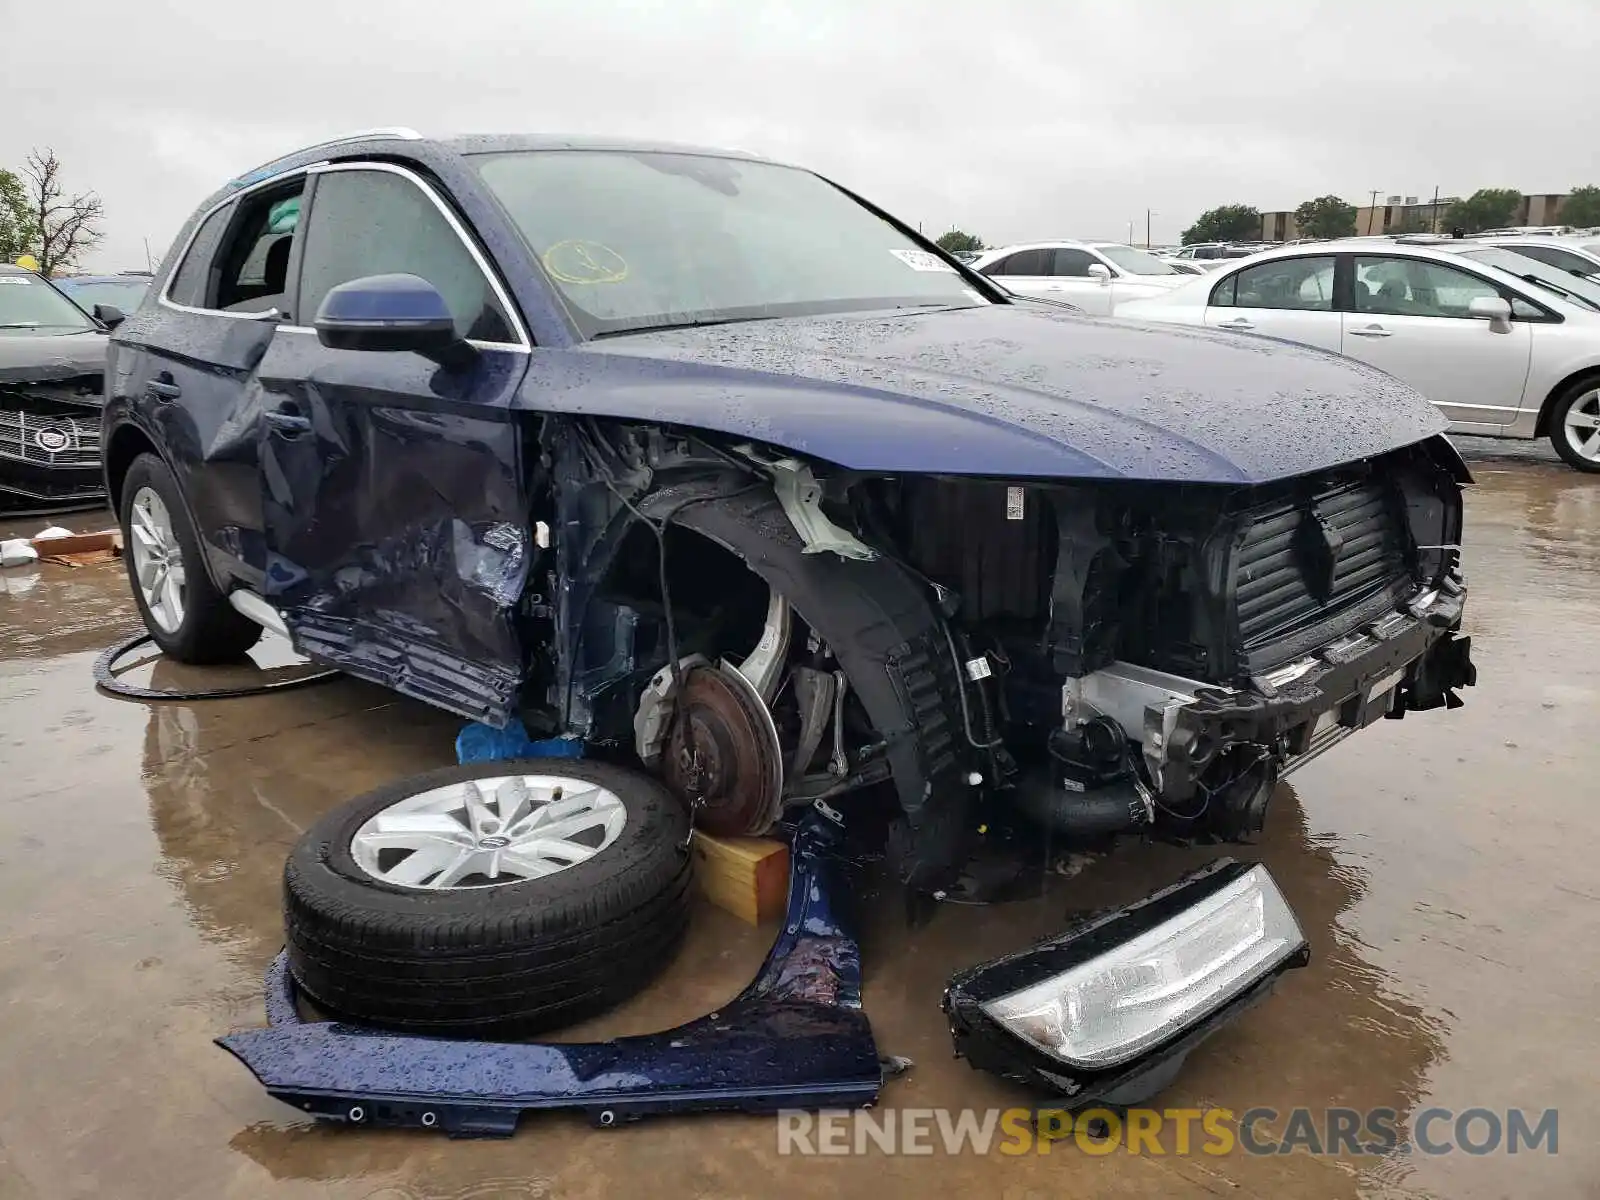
[1136,994]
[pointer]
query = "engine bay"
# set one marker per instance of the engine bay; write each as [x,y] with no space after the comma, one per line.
[1095,657]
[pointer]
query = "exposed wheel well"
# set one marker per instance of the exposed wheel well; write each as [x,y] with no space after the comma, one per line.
[127,443]
[1542,429]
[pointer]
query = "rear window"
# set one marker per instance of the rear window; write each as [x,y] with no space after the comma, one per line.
[189,282]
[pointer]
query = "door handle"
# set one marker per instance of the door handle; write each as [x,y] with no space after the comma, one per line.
[1236,323]
[162,390]
[287,420]
[1371,331]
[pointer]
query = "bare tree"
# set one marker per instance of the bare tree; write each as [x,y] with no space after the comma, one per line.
[65,226]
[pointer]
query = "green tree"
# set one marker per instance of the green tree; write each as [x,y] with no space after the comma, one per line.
[1486,208]
[1582,206]
[956,239]
[16,222]
[1326,217]
[1229,223]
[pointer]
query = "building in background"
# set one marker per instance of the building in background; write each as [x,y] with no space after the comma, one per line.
[1415,214]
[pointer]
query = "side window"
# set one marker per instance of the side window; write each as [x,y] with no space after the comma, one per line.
[368,222]
[250,273]
[1023,262]
[1412,287]
[189,281]
[1222,295]
[1293,283]
[1075,263]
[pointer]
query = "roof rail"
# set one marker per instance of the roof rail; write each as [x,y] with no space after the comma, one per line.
[397,132]
[265,170]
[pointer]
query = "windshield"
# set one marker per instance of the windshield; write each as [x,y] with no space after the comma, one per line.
[1135,261]
[29,303]
[643,240]
[1553,279]
[126,294]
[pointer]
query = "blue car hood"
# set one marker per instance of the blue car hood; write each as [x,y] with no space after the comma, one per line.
[1015,390]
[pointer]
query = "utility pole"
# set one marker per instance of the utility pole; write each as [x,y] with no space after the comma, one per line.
[1147,229]
[147,264]
[1130,233]
[1372,211]
[1433,221]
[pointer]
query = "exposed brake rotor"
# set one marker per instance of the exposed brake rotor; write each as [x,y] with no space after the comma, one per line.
[723,757]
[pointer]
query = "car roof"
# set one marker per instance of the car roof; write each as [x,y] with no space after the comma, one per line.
[9,269]
[144,279]
[402,142]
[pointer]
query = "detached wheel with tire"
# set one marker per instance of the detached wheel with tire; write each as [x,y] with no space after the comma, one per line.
[1575,426]
[187,617]
[500,898]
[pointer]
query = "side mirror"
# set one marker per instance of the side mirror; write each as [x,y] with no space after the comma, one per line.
[1100,273]
[386,312]
[1494,309]
[109,315]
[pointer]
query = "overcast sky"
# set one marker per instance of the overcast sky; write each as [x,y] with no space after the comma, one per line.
[1014,119]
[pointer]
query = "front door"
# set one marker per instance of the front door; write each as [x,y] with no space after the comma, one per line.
[1408,316]
[393,486]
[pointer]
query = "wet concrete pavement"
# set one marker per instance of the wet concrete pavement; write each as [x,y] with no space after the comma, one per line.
[1443,868]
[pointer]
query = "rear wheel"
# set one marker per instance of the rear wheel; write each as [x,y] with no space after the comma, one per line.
[187,617]
[1575,426]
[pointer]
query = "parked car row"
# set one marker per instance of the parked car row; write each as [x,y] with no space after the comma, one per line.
[1503,344]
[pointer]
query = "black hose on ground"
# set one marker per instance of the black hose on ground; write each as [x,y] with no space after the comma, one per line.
[105,679]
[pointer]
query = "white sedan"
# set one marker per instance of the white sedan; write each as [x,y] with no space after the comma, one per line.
[1095,276]
[1499,354]
[1576,256]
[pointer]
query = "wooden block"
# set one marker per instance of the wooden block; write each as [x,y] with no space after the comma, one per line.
[78,543]
[748,877]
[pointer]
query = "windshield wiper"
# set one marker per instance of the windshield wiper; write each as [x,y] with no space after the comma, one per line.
[679,325]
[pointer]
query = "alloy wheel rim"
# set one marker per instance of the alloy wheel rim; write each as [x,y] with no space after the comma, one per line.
[1583,426]
[157,559]
[488,832]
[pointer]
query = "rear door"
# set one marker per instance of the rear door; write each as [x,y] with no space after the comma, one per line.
[1289,298]
[187,372]
[391,484]
[1408,316]
[1028,273]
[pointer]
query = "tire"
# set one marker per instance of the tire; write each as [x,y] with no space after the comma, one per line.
[211,629]
[503,961]
[1586,393]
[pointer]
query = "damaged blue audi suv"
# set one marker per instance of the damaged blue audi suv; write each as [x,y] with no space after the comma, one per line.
[710,469]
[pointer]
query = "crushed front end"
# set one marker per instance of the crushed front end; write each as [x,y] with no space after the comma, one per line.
[1162,654]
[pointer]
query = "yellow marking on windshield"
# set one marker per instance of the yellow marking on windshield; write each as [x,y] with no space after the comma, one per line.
[579,261]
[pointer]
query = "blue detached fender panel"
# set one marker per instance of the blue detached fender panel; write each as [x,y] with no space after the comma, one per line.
[795,1038]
